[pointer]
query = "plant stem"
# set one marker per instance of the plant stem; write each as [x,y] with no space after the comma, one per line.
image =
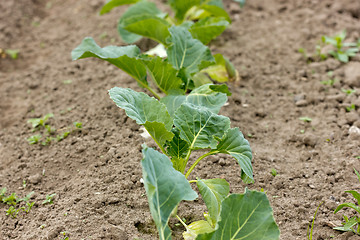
[193,181]
[181,221]
[196,162]
[153,92]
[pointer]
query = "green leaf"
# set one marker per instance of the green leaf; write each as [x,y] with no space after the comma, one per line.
[222,71]
[245,216]
[213,192]
[176,149]
[163,74]
[241,2]
[149,26]
[186,52]
[234,144]
[208,96]
[342,57]
[357,174]
[180,7]
[124,58]
[110,4]
[137,10]
[355,194]
[216,11]
[350,205]
[198,126]
[196,228]
[145,111]
[165,188]
[208,28]
[348,225]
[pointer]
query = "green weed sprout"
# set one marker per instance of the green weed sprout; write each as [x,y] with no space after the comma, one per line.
[273,172]
[348,91]
[49,199]
[13,53]
[40,122]
[309,235]
[342,50]
[331,79]
[34,139]
[353,223]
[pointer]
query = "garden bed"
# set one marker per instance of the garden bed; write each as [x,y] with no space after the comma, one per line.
[95,172]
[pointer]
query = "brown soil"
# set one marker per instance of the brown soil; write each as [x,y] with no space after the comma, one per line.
[96,172]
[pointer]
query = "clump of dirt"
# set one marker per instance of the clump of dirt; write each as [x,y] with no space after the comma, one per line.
[96,172]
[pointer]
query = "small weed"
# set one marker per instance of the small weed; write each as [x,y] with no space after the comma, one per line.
[273,172]
[309,235]
[351,224]
[348,91]
[66,82]
[350,108]
[342,50]
[40,122]
[302,131]
[65,235]
[24,183]
[13,53]
[49,199]
[78,124]
[14,200]
[305,119]
[34,139]
[331,81]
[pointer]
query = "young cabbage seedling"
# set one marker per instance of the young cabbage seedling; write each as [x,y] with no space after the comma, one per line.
[181,125]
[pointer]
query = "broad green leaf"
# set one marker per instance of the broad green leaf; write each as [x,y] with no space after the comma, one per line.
[165,188]
[216,11]
[163,74]
[198,126]
[350,205]
[196,228]
[222,71]
[204,96]
[186,52]
[176,149]
[136,10]
[145,111]
[234,144]
[208,28]
[110,4]
[200,78]
[245,216]
[213,192]
[180,7]
[355,194]
[124,58]
[149,26]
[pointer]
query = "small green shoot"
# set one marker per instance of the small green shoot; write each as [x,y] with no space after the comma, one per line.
[302,131]
[331,81]
[49,199]
[350,108]
[34,139]
[78,125]
[305,119]
[13,53]
[38,122]
[348,91]
[24,183]
[65,236]
[351,224]
[309,235]
[68,81]
[342,50]
[273,172]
